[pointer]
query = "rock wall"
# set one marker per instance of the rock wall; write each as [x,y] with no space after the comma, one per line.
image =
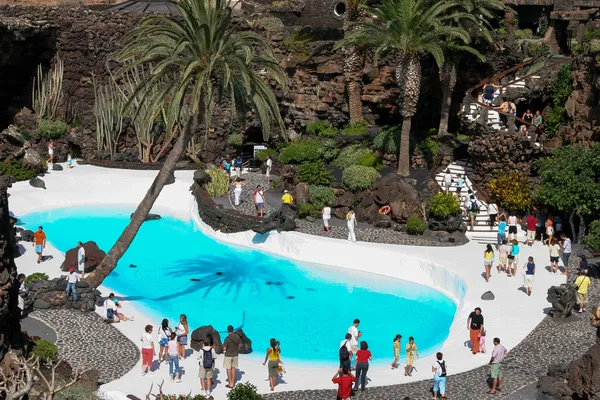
[582,106]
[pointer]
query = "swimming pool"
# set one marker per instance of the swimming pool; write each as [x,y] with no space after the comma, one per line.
[307,307]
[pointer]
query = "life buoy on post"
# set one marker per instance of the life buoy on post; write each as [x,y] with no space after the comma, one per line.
[385,210]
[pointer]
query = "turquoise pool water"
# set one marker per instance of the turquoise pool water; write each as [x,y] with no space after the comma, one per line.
[307,307]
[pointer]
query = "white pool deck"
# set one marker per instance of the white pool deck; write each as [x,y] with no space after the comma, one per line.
[511,316]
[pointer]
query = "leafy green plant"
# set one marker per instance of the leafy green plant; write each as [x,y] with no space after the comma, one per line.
[45,350]
[299,43]
[350,155]
[321,128]
[538,50]
[443,205]
[219,185]
[511,191]
[554,120]
[592,238]
[388,140]
[307,209]
[430,147]
[462,138]
[415,226]
[314,173]
[16,170]
[275,185]
[235,140]
[244,391]
[36,277]
[523,34]
[319,196]
[269,24]
[77,392]
[370,160]
[357,177]
[588,36]
[262,155]
[304,150]
[356,128]
[563,87]
[48,129]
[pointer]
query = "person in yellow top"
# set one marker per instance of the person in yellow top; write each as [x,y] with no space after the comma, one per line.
[272,356]
[397,350]
[411,351]
[488,257]
[583,283]
[287,198]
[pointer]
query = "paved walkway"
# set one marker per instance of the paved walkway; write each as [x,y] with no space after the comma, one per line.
[85,340]
[551,342]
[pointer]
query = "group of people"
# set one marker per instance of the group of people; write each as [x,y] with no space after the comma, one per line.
[50,160]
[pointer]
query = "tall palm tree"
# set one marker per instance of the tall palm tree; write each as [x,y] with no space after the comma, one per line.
[354,59]
[406,29]
[197,59]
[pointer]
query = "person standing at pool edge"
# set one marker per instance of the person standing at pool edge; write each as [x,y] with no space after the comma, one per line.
[474,326]
[81,259]
[411,351]
[164,334]
[351,222]
[39,243]
[273,357]
[148,351]
[173,348]
[231,346]
[439,376]
[363,356]
[353,330]
[397,348]
[182,335]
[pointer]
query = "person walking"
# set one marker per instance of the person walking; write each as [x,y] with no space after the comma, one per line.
[513,258]
[346,351]
[529,273]
[238,186]
[164,334]
[447,180]
[259,201]
[351,223]
[565,245]
[72,280]
[513,221]
[532,223]
[287,198]
[397,350]
[353,330]
[492,214]
[498,355]
[582,283]
[482,335]
[503,252]
[69,161]
[411,351]
[488,261]
[439,376]
[239,163]
[344,379]
[272,357]
[269,164]
[582,264]
[231,346]
[473,210]
[50,161]
[554,250]
[501,235]
[81,257]
[363,356]
[326,212]
[474,326]
[39,243]
[182,331]
[173,350]
[549,225]
[148,351]
[460,182]
[206,360]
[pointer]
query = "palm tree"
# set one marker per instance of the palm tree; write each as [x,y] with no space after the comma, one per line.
[197,59]
[406,29]
[354,59]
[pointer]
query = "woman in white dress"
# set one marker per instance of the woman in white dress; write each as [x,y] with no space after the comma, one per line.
[237,190]
[326,211]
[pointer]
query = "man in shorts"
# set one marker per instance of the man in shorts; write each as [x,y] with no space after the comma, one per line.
[498,355]
[39,243]
[206,358]
[259,201]
[532,223]
[81,259]
[582,283]
[231,346]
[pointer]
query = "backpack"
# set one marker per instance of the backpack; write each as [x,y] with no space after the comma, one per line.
[110,313]
[443,366]
[207,359]
[344,353]
[474,206]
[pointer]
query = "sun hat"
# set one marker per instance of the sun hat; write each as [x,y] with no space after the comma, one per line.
[72,270]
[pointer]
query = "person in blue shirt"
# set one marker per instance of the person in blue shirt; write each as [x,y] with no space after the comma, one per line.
[529,272]
[501,231]
[513,258]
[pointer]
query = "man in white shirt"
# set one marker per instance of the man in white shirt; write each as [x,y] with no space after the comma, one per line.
[493,214]
[439,376]
[72,280]
[447,180]
[269,166]
[345,363]
[206,358]
[259,201]
[353,330]
[498,355]
[81,259]
[566,251]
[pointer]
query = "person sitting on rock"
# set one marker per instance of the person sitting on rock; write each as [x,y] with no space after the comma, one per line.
[111,305]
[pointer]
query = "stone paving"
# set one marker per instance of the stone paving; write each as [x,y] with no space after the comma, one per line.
[85,340]
[551,342]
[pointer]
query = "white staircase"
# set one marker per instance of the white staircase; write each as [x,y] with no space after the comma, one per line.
[460,168]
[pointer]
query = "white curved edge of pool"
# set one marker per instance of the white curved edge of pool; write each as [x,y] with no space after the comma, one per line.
[452,270]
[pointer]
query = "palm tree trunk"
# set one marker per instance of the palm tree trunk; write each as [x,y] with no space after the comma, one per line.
[404,154]
[448,80]
[408,77]
[109,263]
[581,233]
[355,101]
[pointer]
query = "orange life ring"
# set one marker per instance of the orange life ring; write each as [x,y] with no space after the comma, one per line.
[385,210]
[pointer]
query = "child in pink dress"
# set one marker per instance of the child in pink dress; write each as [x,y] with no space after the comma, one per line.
[482,342]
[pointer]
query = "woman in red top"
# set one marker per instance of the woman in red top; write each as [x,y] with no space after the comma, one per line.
[363,356]
[344,378]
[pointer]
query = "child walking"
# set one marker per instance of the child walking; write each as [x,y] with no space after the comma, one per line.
[482,341]
[411,351]
[397,349]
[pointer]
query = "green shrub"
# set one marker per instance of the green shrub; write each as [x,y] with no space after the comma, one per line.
[47,129]
[554,120]
[274,185]
[77,392]
[511,191]
[298,43]
[262,155]
[36,277]
[244,391]
[462,138]
[314,173]
[588,36]
[321,128]
[269,24]
[443,205]
[523,34]
[235,140]
[304,150]
[350,155]
[219,185]
[357,128]
[538,50]
[45,350]
[307,209]
[415,226]
[17,170]
[562,88]
[592,238]
[357,177]
[319,196]
[388,140]
[370,160]
[430,147]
